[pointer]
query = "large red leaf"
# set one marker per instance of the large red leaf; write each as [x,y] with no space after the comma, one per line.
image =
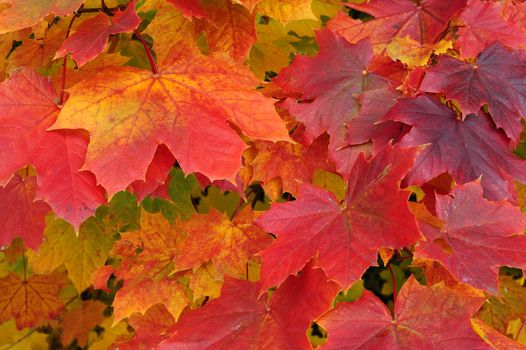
[186,106]
[20,214]
[496,78]
[72,193]
[28,108]
[423,22]
[466,149]
[91,36]
[345,239]
[484,25]
[242,319]
[325,91]
[424,318]
[477,237]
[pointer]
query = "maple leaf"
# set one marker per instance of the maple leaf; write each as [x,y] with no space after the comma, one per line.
[484,26]
[30,299]
[345,239]
[167,28]
[20,214]
[91,36]
[496,78]
[228,244]
[284,166]
[227,27]
[423,22]
[185,106]
[150,329]
[327,100]
[425,317]
[72,193]
[36,49]
[473,246]
[146,268]
[249,321]
[76,323]
[466,149]
[28,106]
[20,14]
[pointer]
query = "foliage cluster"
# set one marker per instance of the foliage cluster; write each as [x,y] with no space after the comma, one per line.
[262,174]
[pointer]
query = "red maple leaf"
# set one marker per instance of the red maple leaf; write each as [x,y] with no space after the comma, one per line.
[496,78]
[20,214]
[242,319]
[477,236]
[484,26]
[424,318]
[345,238]
[328,99]
[28,107]
[91,36]
[466,149]
[423,21]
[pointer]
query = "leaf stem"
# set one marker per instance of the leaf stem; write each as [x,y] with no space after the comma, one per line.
[65,62]
[393,281]
[148,52]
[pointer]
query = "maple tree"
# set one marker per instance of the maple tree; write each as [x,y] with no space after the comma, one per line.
[262,174]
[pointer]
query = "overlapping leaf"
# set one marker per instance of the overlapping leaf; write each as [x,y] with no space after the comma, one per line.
[284,166]
[90,38]
[251,321]
[169,107]
[423,21]
[18,14]
[476,238]
[345,239]
[228,244]
[146,267]
[30,299]
[29,107]
[424,318]
[20,214]
[496,78]
[328,99]
[466,149]
[485,25]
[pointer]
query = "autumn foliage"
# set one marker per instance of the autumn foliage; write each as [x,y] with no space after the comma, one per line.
[262,174]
